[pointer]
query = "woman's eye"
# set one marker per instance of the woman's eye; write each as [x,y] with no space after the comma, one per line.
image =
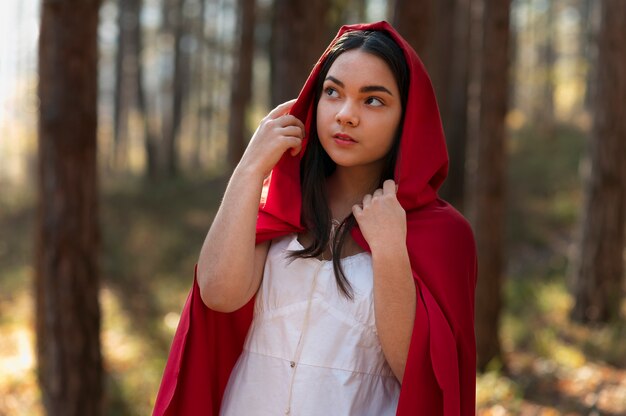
[374,102]
[331,92]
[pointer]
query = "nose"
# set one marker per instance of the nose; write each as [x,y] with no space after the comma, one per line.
[347,114]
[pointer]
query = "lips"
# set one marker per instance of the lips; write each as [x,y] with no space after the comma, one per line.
[344,137]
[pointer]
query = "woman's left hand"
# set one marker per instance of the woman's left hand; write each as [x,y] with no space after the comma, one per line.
[381,218]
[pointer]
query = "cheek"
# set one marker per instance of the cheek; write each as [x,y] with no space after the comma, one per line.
[388,131]
[389,125]
[323,116]
[322,110]
[395,125]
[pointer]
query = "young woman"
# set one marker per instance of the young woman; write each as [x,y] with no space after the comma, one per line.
[350,289]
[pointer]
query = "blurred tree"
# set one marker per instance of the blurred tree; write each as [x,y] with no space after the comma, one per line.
[68,313]
[589,16]
[299,35]
[455,111]
[200,85]
[241,85]
[598,285]
[128,85]
[344,12]
[219,76]
[174,86]
[487,165]
[149,135]
[544,114]
[413,20]
[443,47]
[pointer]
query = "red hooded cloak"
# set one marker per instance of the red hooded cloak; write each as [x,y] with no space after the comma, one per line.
[440,375]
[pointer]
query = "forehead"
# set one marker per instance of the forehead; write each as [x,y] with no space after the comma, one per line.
[362,68]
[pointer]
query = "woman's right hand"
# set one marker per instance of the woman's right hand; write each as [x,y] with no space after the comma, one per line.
[277,133]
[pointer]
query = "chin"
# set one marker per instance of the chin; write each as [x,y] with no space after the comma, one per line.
[345,162]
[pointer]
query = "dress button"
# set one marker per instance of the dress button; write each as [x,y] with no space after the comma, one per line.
[292,364]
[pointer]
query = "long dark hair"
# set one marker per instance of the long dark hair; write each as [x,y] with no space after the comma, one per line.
[316,165]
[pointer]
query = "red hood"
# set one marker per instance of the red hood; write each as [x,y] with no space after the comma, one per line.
[422,163]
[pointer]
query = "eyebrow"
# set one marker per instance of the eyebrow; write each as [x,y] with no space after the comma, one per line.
[367,88]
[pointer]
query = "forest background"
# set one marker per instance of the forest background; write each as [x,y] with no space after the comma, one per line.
[121,120]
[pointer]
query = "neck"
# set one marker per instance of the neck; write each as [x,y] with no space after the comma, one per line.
[347,186]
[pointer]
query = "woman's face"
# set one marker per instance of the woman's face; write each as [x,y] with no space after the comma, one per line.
[359,110]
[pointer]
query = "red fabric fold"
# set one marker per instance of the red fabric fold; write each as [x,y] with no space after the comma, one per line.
[440,371]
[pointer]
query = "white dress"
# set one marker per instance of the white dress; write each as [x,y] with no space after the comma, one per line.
[310,350]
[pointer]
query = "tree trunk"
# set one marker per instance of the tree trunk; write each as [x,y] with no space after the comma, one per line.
[149,137]
[179,90]
[199,89]
[128,82]
[360,10]
[174,88]
[122,83]
[241,85]
[589,17]
[68,313]
[490,24]
[413,20]
[544,106]
[454,114]
[299,37]
[599,274]
[443,49]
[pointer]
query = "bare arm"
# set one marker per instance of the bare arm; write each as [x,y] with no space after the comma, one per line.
[394,303]
[230,266]
[382,221]
[227,275]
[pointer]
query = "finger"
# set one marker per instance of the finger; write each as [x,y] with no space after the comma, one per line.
[356,210]
[281,109]
[297,148]
[389,187]
[290,120]
[301,125]
[378,192]
[294,131]
[367,199]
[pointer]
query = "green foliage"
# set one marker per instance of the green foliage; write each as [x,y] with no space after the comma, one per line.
[541,164]
[544,194]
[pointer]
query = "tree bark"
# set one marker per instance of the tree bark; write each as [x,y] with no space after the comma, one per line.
[241,86]
[413,20]
[439,32]
[487,167]
[589,17]
[360,10]
[128,82]
[174,89]
[544,105]
[199,80]
[599,274]
[149,137]
[454,114]
[121,95]
[299,36]
[67,308]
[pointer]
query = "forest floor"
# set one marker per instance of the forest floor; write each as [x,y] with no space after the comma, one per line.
[151,236]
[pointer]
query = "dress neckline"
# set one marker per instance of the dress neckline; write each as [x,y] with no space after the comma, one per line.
[348,259]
